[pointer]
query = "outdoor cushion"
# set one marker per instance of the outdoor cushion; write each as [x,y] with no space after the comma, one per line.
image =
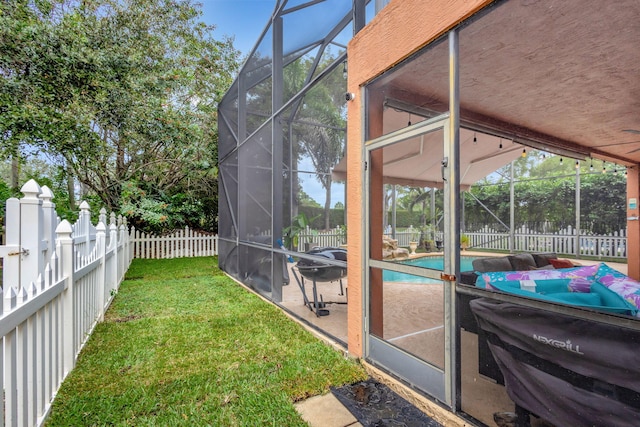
[580,278]
[561,263]
[605,270]
[483,265]
[611,298]
[521,262]
[543,259]
[626,287]
[578,298]
[544,287]
[597,296]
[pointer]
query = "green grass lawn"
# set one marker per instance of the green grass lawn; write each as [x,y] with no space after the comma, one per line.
[182,344]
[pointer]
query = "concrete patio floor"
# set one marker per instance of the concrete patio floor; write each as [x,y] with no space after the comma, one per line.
[414,328]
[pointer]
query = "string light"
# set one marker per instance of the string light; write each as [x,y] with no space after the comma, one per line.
[409,124]
[577,164]
[524,152]
[475,140]
[560,160]
[604,167]
[591,167]
[500,146]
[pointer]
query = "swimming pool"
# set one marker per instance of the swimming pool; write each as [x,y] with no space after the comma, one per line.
[433,262]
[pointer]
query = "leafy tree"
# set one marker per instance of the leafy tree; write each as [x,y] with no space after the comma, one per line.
[305,200]
[5,193]
[545,194]
[117,92]
[319,127]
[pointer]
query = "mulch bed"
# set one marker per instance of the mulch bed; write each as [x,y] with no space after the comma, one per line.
[376,405]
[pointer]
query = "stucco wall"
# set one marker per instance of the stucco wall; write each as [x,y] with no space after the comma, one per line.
[399,30]
[633,226]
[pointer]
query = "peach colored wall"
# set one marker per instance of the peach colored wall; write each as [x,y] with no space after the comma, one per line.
[633,227]
[400,29]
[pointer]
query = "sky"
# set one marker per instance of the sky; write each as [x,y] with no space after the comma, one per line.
[242,19]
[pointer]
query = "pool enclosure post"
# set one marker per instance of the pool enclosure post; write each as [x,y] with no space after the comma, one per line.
[577,241]
[512,209]
[277,260]
[633,222]
[451,176]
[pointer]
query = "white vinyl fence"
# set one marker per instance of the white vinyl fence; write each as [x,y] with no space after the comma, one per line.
[566,242]
[180,243]
[58,280]
[336,237]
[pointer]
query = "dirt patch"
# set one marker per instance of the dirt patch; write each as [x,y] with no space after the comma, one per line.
[126,318]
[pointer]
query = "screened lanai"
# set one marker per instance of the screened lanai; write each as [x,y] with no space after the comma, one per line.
[282,129]
[547,75]
[444,92]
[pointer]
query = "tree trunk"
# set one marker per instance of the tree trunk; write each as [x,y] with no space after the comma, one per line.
[15,171]
[71,189]
[327,207]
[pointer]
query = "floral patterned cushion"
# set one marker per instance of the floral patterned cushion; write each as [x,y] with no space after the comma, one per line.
[580,280]
[580,277]
[624,286]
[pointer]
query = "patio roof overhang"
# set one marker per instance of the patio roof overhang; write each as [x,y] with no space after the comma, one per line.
[554,74]
[417,162]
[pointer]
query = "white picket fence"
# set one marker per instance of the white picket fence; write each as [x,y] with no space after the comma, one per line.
[180,243]
[566,242]
[58,280]
[525,240]
[336,237]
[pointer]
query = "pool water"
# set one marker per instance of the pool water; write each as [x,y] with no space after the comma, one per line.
[433,262]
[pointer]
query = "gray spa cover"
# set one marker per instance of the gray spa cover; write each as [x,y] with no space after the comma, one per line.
[568,371]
